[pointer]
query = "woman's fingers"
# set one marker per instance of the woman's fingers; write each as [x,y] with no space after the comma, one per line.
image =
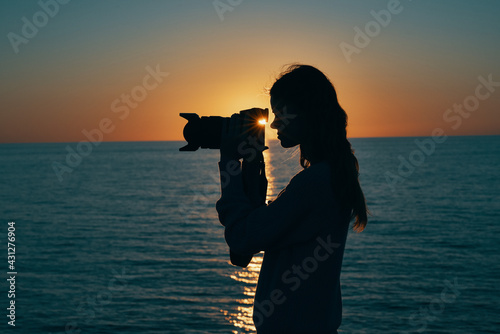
[235,143]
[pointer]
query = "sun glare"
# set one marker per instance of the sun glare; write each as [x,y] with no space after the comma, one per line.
[262,121]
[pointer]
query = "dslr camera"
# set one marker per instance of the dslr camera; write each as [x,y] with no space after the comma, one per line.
[205,131]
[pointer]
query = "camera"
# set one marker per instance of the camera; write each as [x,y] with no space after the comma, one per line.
[205,131]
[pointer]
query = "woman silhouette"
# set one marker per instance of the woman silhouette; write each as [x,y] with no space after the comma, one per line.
[304,229]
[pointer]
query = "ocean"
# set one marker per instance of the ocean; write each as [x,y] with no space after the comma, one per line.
[126,239]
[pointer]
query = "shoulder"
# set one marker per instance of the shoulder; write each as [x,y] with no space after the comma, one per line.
[314,177]
[317,173]
[310,180]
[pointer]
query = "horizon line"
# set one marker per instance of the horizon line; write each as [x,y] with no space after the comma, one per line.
[156,141]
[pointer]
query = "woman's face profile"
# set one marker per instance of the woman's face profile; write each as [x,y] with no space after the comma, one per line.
[287,123]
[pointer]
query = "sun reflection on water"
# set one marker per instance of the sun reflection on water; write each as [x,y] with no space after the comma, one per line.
[241,317]
[271,184]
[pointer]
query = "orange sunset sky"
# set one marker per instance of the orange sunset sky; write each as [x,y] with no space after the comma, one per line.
[67,66]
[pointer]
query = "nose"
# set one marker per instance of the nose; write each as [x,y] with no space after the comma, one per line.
[276,124]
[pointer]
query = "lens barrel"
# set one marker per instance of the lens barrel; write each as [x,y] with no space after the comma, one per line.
[205,131]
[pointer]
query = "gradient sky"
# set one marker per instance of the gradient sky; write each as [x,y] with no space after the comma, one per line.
[66,78]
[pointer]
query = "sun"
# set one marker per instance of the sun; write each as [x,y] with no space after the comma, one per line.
[262,121]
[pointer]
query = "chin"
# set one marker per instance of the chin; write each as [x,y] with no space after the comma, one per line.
[287,144]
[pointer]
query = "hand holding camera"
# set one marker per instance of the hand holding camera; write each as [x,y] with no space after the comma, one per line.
[242,135]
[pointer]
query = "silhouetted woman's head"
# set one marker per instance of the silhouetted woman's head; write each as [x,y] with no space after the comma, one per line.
[307,113]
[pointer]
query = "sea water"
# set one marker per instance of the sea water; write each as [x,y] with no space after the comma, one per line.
[127,239]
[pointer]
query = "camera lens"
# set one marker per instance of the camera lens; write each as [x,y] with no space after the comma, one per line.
[205,131]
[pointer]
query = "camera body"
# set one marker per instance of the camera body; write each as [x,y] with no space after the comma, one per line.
[205,131]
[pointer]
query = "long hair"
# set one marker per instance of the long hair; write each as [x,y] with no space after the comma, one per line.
[312,94]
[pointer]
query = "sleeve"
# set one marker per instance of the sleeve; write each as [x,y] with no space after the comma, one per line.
[249,230]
